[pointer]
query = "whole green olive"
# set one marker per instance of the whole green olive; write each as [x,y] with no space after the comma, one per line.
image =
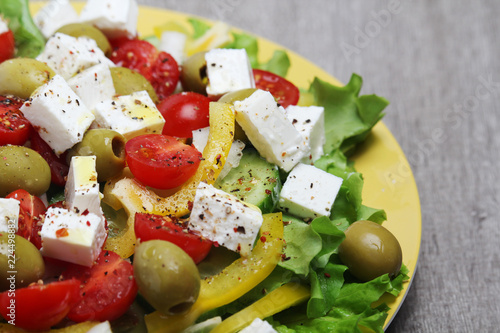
[87,30]
[127,81]
[230,98]
[167,277]
[369,250]
[194,73]
[21,76]
[19,255]
[109,148]
[23,168]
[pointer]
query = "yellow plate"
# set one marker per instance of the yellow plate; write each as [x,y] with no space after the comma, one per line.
[389,182]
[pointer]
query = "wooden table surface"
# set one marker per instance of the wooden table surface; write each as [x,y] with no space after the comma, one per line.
[435,61]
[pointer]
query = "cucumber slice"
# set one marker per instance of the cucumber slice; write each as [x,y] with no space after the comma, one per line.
[254,180]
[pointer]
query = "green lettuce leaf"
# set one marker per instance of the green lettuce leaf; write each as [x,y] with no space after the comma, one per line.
[199,27]
[348,116]
[29,40]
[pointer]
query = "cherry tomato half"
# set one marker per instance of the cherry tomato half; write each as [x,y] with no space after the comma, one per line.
[39,307]
[150,226]
[184,113]
[160,161]
[14,127]
[107,289]
[31,213]
[285,92]
[159,68]
[58,167]
[7,45]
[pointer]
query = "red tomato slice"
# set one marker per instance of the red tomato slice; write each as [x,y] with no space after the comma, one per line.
[160,161]
[184,113]
[14,127]
[31,213]
[39,307]
[108,288]
[58,167]
[159,68]
[285,92]
[150,226]
[7,45]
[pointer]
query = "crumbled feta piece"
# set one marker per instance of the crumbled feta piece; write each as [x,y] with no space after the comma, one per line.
[309,192]
[3,25]
[72,237]
[58,114]
[310,122]
[93,85]
[259,325]
[55,14]
[129,115]
[228,70]
[68,55]
[103,327]
[174,43]
[268,129]
[200,140]
[9,214]
[82,189]
[115,18]
[222,218]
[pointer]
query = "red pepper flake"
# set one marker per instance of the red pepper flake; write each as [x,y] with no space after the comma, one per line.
[248,189]
[268,192]
[85,212]
[263,239]
[218,158]
[63,232]
[88,223]
[328,275]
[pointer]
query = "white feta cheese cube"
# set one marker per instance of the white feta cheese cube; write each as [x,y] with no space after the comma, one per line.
[200,140]
[174,43]
[104,327]
[55,14]
[222,218]
[271,133]
[3,25]
[68,55]
[310,122]
[259,325]
[309,192]
[82,189]
[72,237]
[228,70]
[115,18]
[93,85]
[129,115]
[58,114]
[9,214]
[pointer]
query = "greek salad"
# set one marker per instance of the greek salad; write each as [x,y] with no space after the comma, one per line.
[179,183]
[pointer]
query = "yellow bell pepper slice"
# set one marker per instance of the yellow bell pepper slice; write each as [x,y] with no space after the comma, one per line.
[233,282]
[135,197]
[282,298]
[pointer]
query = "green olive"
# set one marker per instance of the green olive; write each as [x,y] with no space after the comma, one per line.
[167,277]
[127,81]
[109,148]
[87,30]
[369,250]
[232,97]
[23,168]
[28,264]
[21,76]
[194,73]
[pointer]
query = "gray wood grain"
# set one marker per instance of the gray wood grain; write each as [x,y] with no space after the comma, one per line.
[436,61]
